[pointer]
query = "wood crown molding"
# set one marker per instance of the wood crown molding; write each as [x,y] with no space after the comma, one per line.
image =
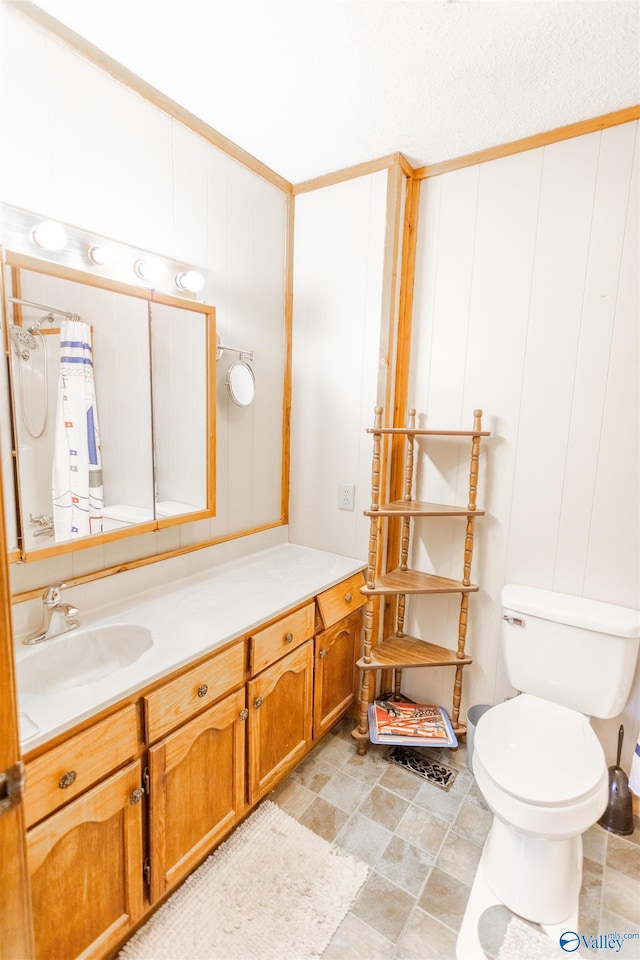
[388,162]
[530,143]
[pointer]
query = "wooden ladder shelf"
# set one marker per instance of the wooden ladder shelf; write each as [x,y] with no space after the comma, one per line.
[398,651]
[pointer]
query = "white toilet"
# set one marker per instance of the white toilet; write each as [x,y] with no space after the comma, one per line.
[536,759]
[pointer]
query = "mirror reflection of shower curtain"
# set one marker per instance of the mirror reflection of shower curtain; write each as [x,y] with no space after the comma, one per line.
[77,491]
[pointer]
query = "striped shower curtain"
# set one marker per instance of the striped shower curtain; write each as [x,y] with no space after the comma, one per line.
[77,467]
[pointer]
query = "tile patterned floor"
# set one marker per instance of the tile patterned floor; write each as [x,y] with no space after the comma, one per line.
[423,845]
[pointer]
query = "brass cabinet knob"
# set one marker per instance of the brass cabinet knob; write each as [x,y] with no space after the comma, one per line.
[323,653]
[136,796]
[67,779]
[257,702]
[203,690]
[243,714]
[348,598]
[288,637]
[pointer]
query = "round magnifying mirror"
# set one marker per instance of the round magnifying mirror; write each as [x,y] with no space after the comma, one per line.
[241,383]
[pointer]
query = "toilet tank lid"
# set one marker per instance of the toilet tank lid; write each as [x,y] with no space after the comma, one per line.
[565,608]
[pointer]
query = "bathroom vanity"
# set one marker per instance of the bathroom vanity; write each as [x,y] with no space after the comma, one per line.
[123,801]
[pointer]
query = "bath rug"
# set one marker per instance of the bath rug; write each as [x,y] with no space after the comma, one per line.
[423,764]
[273,891]
[524,941]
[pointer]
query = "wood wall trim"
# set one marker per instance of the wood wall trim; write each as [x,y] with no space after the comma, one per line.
[288,335]
[53,269]
[14,555]
[155,97]
[531,143]
[390,301]
[389,162]
[405,311]
[390,288]
[401,392]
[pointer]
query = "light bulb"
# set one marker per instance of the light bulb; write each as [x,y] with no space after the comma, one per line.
[190,280]
[102,256]
[49,236]
[150,270]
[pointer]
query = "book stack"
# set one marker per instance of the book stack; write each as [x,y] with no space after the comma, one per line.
[410,724]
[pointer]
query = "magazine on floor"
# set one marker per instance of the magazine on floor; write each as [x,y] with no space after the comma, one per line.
[414,724]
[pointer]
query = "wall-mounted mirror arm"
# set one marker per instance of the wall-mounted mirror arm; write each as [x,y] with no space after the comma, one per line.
[43,523]
[243,354]
[220,348]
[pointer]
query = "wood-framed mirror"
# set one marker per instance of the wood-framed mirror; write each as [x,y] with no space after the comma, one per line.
[149,358]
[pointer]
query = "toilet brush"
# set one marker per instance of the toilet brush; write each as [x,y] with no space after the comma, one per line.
[634,773]
[618,816]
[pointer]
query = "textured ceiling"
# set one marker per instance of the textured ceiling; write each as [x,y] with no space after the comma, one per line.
[311,86]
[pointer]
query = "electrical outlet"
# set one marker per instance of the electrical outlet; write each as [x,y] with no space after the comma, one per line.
[347,496]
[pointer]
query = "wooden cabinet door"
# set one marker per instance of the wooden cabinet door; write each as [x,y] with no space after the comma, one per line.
[196,790]
[337,650]
[280,719]
[85,864]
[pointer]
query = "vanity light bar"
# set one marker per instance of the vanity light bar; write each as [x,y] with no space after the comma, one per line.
[34,235]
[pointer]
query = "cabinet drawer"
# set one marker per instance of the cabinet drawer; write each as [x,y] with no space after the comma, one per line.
[185,696]
[339,601]
[286,634]
[68,769]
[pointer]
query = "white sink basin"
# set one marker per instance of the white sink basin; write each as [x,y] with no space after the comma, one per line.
[80,657]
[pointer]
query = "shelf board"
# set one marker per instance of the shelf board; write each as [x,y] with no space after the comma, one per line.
[416,582]
[414,432]
[421,508]
[402,652]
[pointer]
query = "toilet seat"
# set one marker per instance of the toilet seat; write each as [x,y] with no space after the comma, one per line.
[539,752]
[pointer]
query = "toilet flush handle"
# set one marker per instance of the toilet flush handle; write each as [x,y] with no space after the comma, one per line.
[517,621]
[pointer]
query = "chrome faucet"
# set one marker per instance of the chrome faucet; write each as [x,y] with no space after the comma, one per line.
[57,617]
[44,524]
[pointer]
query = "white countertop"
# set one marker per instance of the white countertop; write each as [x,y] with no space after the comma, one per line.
[187,619]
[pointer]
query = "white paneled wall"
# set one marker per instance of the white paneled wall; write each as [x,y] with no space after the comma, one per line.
[338,270]
[81,147]
[526,305]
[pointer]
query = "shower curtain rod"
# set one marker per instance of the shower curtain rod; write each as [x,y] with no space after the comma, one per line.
[41,306]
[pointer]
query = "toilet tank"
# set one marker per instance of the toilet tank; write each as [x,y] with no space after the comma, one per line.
[575,652]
